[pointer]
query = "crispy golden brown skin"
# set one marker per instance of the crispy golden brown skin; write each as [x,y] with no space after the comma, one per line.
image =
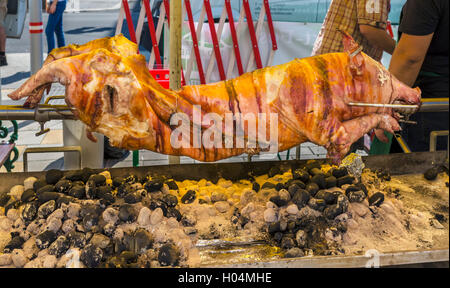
[115,95]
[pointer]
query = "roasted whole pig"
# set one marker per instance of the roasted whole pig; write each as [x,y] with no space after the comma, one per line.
[113,93]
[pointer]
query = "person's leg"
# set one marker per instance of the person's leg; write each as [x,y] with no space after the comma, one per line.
[59,25]
[50,31]
[2,39]
[3,12]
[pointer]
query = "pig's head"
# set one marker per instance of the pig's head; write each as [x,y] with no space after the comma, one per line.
[101,88]
[375,84]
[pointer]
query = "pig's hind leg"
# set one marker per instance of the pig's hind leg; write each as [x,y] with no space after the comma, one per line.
[350,131]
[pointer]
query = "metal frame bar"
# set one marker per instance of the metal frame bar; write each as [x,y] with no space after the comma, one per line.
[253,37]
[129,19]
[196,50]
[433,140]
[140,24]
[236,50]
[402,143]
[212,29]
[198,34]
[210,68]
[159,27]
[384,259]
[50,150]
[151,27]
[271,31]
[238,36]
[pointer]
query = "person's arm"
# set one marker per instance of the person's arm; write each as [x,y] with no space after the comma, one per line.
[409,56]
[406,63]
[371,17]
[378,38]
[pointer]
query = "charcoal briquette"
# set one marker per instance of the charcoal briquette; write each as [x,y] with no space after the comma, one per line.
[53,176]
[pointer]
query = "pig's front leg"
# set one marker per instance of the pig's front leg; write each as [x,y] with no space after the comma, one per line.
[350,131]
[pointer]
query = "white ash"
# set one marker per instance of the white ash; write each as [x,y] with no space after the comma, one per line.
[218,196]
[270,215]
[16,192]
[100,240]
[144,218]
[156,216]
[68,225]
[30,248]
[49,261]
[5,223]
[247,196]
[18,258]
[73,211]
[53,224]
[292,209]
[222,206]
[172,223]
[118,234]
[28,183]
[111,215]
[13,214]
[5,259]
[58,214]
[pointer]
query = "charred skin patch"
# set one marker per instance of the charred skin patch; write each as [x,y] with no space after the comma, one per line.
[97,110]
[322,69]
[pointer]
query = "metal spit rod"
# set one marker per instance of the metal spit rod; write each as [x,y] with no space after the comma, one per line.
[40,114]
[382,105]
[428,105]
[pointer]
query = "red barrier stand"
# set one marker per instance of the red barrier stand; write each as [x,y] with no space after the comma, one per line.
[129,21]
[212,29]
[251,30]
[195,41]
[237,52]
[151,27]
[161,76]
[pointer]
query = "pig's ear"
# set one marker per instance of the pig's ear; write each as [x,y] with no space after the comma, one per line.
[354,51]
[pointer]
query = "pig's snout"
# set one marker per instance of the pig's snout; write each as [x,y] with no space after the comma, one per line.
[408,95]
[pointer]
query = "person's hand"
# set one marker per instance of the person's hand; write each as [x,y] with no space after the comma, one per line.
[52,8]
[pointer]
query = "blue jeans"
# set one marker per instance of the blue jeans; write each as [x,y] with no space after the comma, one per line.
[55,26]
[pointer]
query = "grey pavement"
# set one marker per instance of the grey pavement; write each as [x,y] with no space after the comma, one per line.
[95,5]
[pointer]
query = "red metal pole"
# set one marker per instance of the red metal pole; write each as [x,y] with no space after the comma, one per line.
[151,28]
[389,29]
[270,24]
[167,8]
[237,52]
[195,41]
[212,29]
[129,21]
[251,30]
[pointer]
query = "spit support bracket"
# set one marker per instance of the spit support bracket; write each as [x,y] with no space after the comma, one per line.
[43,113]
[43,129]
